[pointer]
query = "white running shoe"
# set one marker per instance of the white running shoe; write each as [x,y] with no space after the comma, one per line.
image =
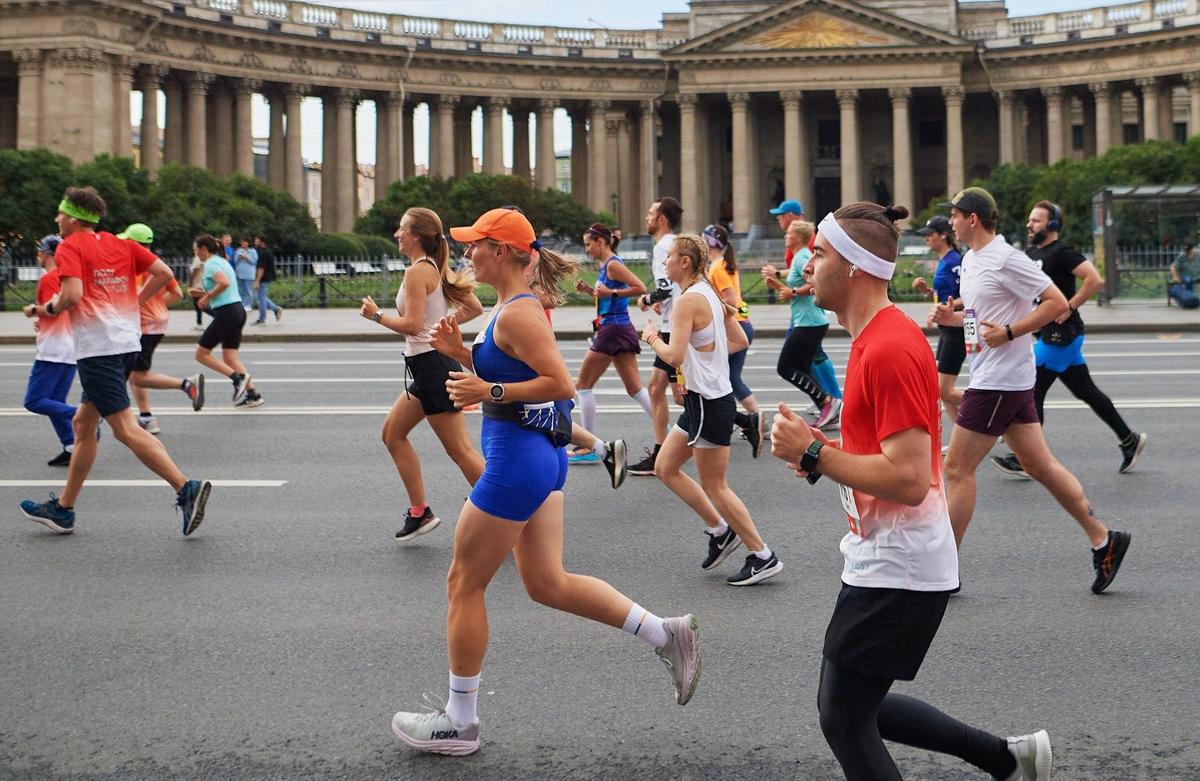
[433,731]
[1035,760]
[150,424]
[681,655]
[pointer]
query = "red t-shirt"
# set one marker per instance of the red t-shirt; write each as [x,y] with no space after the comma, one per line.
[106,321]
[53,333]
[892,386]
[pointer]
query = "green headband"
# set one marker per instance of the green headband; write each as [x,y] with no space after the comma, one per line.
[83,215]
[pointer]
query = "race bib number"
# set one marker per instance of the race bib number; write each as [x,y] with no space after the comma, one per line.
[971,330]
[853,516]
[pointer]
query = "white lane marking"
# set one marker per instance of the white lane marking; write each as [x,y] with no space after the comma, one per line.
[139,483]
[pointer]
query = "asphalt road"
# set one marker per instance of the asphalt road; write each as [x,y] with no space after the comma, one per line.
[278,641]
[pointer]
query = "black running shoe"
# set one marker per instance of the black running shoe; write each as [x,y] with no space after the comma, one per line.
[720,547]
[752,433]
[1130,453]
[1107,560]
[756,570]
[62,459]
[615,462]
[415,527]
[1009,465]
[645,466]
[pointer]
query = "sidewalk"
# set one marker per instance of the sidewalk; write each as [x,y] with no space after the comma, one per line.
[770,320]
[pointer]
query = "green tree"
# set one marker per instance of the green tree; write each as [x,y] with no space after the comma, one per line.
[31,185]
[124,187]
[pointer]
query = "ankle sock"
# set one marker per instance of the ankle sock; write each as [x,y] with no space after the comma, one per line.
[601,450]
[763,554]
[1101,546]
[145,415]
[719,529]
[417,510]
[642,623]
[464,696]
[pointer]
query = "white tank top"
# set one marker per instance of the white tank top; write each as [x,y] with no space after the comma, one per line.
[436,307]
[707,373]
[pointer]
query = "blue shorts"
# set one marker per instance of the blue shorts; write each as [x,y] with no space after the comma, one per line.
[1058,359]
[521,469]
[103,380]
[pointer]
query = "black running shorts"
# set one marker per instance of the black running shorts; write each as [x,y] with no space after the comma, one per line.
[225,328]
[951,350]
[883,632]
[659,363]
[708,419]
[145,358]
[429,372]
[103,379]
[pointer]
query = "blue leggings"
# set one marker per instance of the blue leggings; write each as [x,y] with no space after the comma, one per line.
[737,361]
[46,394]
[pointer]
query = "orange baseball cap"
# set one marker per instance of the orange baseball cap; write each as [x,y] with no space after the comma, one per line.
[503,225]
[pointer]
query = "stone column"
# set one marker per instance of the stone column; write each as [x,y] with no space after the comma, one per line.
[329,162]
[122,82]
[1104,121]
[743,215]
[545,144]
[613,163]
[579,156]
[902,161]
[389,126]
[1149,88]
[243,128]
[689,173]
[408,160]
[647,164]
[149,153]
[628,181]
[493,134]
[598,180]
[1008,128]
[347,165]
[1193,84]
[445,139]
[276,140]
[197,113]
[30,65]
[797,179]
[520,124]
[1166,113]
[173,124]
[1054,123]
[955,167]
[293,162]
[220,139]
[464,155]
[848,112]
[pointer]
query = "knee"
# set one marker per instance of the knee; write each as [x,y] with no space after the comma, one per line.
[713,485]
[1040,468]
[663,470]
[835,726]
[956,470]
[545,589]
[457,582]
[32,403]
[82,427]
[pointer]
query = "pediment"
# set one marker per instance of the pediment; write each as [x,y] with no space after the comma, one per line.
[816,25]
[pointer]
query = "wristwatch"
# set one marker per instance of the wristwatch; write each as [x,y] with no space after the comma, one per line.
[613,295]
[378,316]
[497,392]
[808,461]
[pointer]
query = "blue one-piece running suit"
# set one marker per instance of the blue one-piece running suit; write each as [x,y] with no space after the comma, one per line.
[522,467]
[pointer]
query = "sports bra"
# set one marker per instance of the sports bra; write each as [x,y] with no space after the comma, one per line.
[436,307]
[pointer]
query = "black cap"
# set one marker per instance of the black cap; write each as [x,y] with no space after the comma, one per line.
[936,224]
[973,200]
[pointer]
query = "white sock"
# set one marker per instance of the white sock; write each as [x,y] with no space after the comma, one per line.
[719,529]
[1101,545]
[464,693]
[70,448]
[600,449]
[587,409]
[763,554]
[642,397]
[642,623]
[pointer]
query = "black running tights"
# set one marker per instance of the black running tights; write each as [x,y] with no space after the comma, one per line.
[796,358]
[858,714]
[1079,381]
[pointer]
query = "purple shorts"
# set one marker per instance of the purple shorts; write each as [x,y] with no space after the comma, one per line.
[993,411]
[616,338]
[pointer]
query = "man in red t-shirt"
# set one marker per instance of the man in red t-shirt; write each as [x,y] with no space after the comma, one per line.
[100,292]
[901,563]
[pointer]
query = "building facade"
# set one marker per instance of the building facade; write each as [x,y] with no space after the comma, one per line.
[729,106]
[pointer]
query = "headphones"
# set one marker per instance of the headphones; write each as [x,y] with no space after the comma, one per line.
[1056,219]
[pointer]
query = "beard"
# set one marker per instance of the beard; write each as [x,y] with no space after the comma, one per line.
[1037,238]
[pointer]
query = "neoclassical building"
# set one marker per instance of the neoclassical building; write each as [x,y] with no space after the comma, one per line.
[730,105]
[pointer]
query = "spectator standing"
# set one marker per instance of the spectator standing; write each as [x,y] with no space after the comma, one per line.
[245,268]
[1183,277]
[264,276]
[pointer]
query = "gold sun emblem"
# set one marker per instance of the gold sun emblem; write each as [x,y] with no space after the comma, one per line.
[816,31]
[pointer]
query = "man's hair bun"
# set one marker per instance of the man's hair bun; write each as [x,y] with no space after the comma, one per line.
[895,213]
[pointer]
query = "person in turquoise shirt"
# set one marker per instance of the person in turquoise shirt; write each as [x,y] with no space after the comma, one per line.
[218,294]
[799,357]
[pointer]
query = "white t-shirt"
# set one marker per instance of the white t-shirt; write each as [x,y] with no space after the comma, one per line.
[659,267]
[1000,284]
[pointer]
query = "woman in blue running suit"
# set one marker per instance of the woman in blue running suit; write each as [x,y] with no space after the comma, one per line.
[517,504]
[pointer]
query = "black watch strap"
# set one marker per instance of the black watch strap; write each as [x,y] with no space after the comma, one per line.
[808,461]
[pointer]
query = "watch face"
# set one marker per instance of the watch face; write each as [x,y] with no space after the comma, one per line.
[497,392]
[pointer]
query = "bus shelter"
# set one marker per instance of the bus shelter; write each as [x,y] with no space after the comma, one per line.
[1138,230]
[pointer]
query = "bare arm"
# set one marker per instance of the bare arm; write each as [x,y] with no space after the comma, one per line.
[220,283]
[160,276]
[469,310]
[681,330]
[172,293]
[417,285]
[735,337]
[68,297]
[1053,306]
[1091,284]
[621,273]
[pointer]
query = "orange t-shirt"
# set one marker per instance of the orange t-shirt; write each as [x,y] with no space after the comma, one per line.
[154,311]
[722,280]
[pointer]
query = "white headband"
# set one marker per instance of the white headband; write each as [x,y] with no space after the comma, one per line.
[851,251]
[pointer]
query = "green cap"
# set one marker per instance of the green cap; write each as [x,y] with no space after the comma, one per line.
[973,200]
[139,232]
